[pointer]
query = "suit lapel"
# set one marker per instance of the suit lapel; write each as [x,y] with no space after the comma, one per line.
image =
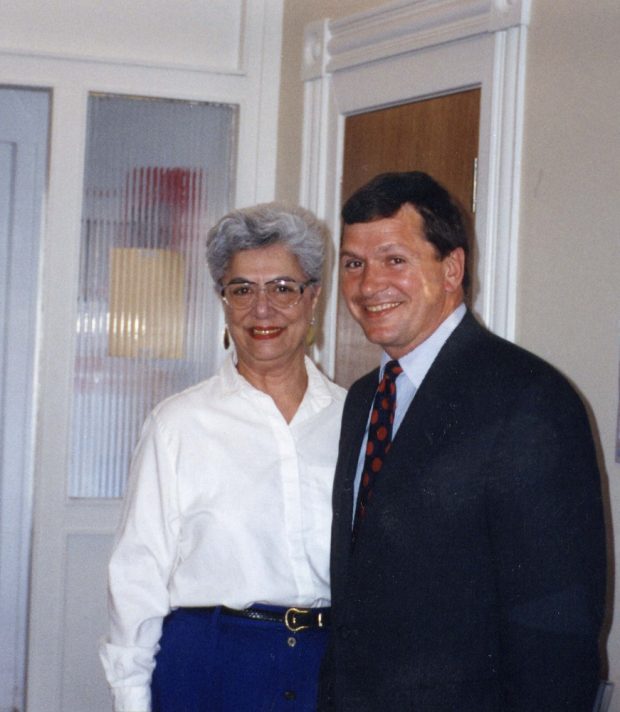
[356,414]
[354,422]
[437,405]
[433,413]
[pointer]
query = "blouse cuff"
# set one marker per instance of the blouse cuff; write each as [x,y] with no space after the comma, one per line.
[132,699]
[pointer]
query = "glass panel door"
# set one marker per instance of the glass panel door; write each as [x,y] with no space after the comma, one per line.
[158,174]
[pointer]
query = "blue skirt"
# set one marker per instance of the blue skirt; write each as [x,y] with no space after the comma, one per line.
[212,662]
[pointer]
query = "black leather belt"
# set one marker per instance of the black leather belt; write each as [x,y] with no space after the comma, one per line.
[295,619]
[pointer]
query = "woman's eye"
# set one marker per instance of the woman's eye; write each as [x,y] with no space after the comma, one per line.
[282,288]
[242,290]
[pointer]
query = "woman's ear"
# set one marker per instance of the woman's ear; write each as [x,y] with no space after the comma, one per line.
[317,292]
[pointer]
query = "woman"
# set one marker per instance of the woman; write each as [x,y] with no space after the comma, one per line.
[219,579]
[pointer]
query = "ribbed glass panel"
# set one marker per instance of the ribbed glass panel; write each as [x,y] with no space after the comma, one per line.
[157,175]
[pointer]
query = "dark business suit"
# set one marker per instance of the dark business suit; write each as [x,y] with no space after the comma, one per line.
[477,581]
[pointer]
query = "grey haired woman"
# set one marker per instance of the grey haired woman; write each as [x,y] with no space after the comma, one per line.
[219,579]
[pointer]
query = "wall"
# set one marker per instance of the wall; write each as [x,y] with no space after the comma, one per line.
[569,259]
[297,14]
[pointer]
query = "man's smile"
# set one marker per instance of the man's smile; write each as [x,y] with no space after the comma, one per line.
[378,308]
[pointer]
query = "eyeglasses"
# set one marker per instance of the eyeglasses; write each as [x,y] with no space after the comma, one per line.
[280,293]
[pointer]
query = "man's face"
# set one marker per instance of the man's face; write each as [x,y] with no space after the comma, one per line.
[396,287]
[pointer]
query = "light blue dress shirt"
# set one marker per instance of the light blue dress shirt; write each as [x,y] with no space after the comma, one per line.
[415,366]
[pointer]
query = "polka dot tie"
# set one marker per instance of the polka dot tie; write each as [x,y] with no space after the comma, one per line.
[379,438]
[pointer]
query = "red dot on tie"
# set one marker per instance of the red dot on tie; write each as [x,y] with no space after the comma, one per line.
[370,447]
[385,404]
[381,388]
[365,479]
[375,465]
[392,388]
[382,433]
[375,416]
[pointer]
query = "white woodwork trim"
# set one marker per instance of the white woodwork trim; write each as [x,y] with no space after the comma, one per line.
[251,13]
[498,274]
[406,26]
[413,49]
[145,62]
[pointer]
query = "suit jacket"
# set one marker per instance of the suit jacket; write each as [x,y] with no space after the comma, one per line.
[477,579]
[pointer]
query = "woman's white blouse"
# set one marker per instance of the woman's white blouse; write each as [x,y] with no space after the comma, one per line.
[227,504]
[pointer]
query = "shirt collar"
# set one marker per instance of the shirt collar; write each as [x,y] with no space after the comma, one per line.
[317,396]
[231,380]
[417,362]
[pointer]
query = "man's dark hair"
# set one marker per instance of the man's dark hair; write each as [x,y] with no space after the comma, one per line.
[445,224]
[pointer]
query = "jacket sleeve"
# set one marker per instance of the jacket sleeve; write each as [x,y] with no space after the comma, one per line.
[547,526]
[139,569]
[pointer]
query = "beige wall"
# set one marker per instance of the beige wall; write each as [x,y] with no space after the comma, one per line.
[569,257]
[569,260]
[297,14]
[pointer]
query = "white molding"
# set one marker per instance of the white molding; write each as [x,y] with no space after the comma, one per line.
[406,26]
[499,270]
[412,49]
[145,62]
[146,57]
[316,39]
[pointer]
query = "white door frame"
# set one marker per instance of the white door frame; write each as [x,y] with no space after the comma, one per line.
[23,164]
[414,49]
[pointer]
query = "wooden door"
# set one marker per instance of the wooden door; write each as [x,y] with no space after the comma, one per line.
[438,136]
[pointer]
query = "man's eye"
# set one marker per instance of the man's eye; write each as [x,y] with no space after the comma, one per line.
[352,264]
[396,260]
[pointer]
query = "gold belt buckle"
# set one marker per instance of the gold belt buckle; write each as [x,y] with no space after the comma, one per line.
[290,619]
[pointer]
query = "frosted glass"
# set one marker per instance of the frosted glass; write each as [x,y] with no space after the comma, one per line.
[157,175]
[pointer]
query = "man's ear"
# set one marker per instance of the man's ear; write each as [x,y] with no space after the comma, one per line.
[454,269]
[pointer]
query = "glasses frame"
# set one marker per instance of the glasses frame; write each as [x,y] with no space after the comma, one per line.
[302,286]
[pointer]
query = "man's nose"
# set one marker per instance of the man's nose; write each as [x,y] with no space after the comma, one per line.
[372,280]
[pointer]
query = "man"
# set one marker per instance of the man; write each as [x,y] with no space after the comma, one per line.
[468,556]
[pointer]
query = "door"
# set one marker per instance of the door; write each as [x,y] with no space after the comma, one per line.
[155,173]
[438,136]
[23,160]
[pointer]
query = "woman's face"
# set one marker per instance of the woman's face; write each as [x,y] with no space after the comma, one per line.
[266,337]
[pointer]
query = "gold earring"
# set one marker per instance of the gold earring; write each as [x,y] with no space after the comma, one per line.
[311,333]
[226,338]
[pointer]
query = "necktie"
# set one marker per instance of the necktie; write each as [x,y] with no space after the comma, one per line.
[379,438]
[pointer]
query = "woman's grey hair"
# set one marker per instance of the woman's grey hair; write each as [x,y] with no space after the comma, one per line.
[296,228]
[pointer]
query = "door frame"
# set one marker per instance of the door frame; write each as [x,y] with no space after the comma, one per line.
[24,137]
[401,52]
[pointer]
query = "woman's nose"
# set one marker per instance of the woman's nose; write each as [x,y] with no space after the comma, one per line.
[262,304]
